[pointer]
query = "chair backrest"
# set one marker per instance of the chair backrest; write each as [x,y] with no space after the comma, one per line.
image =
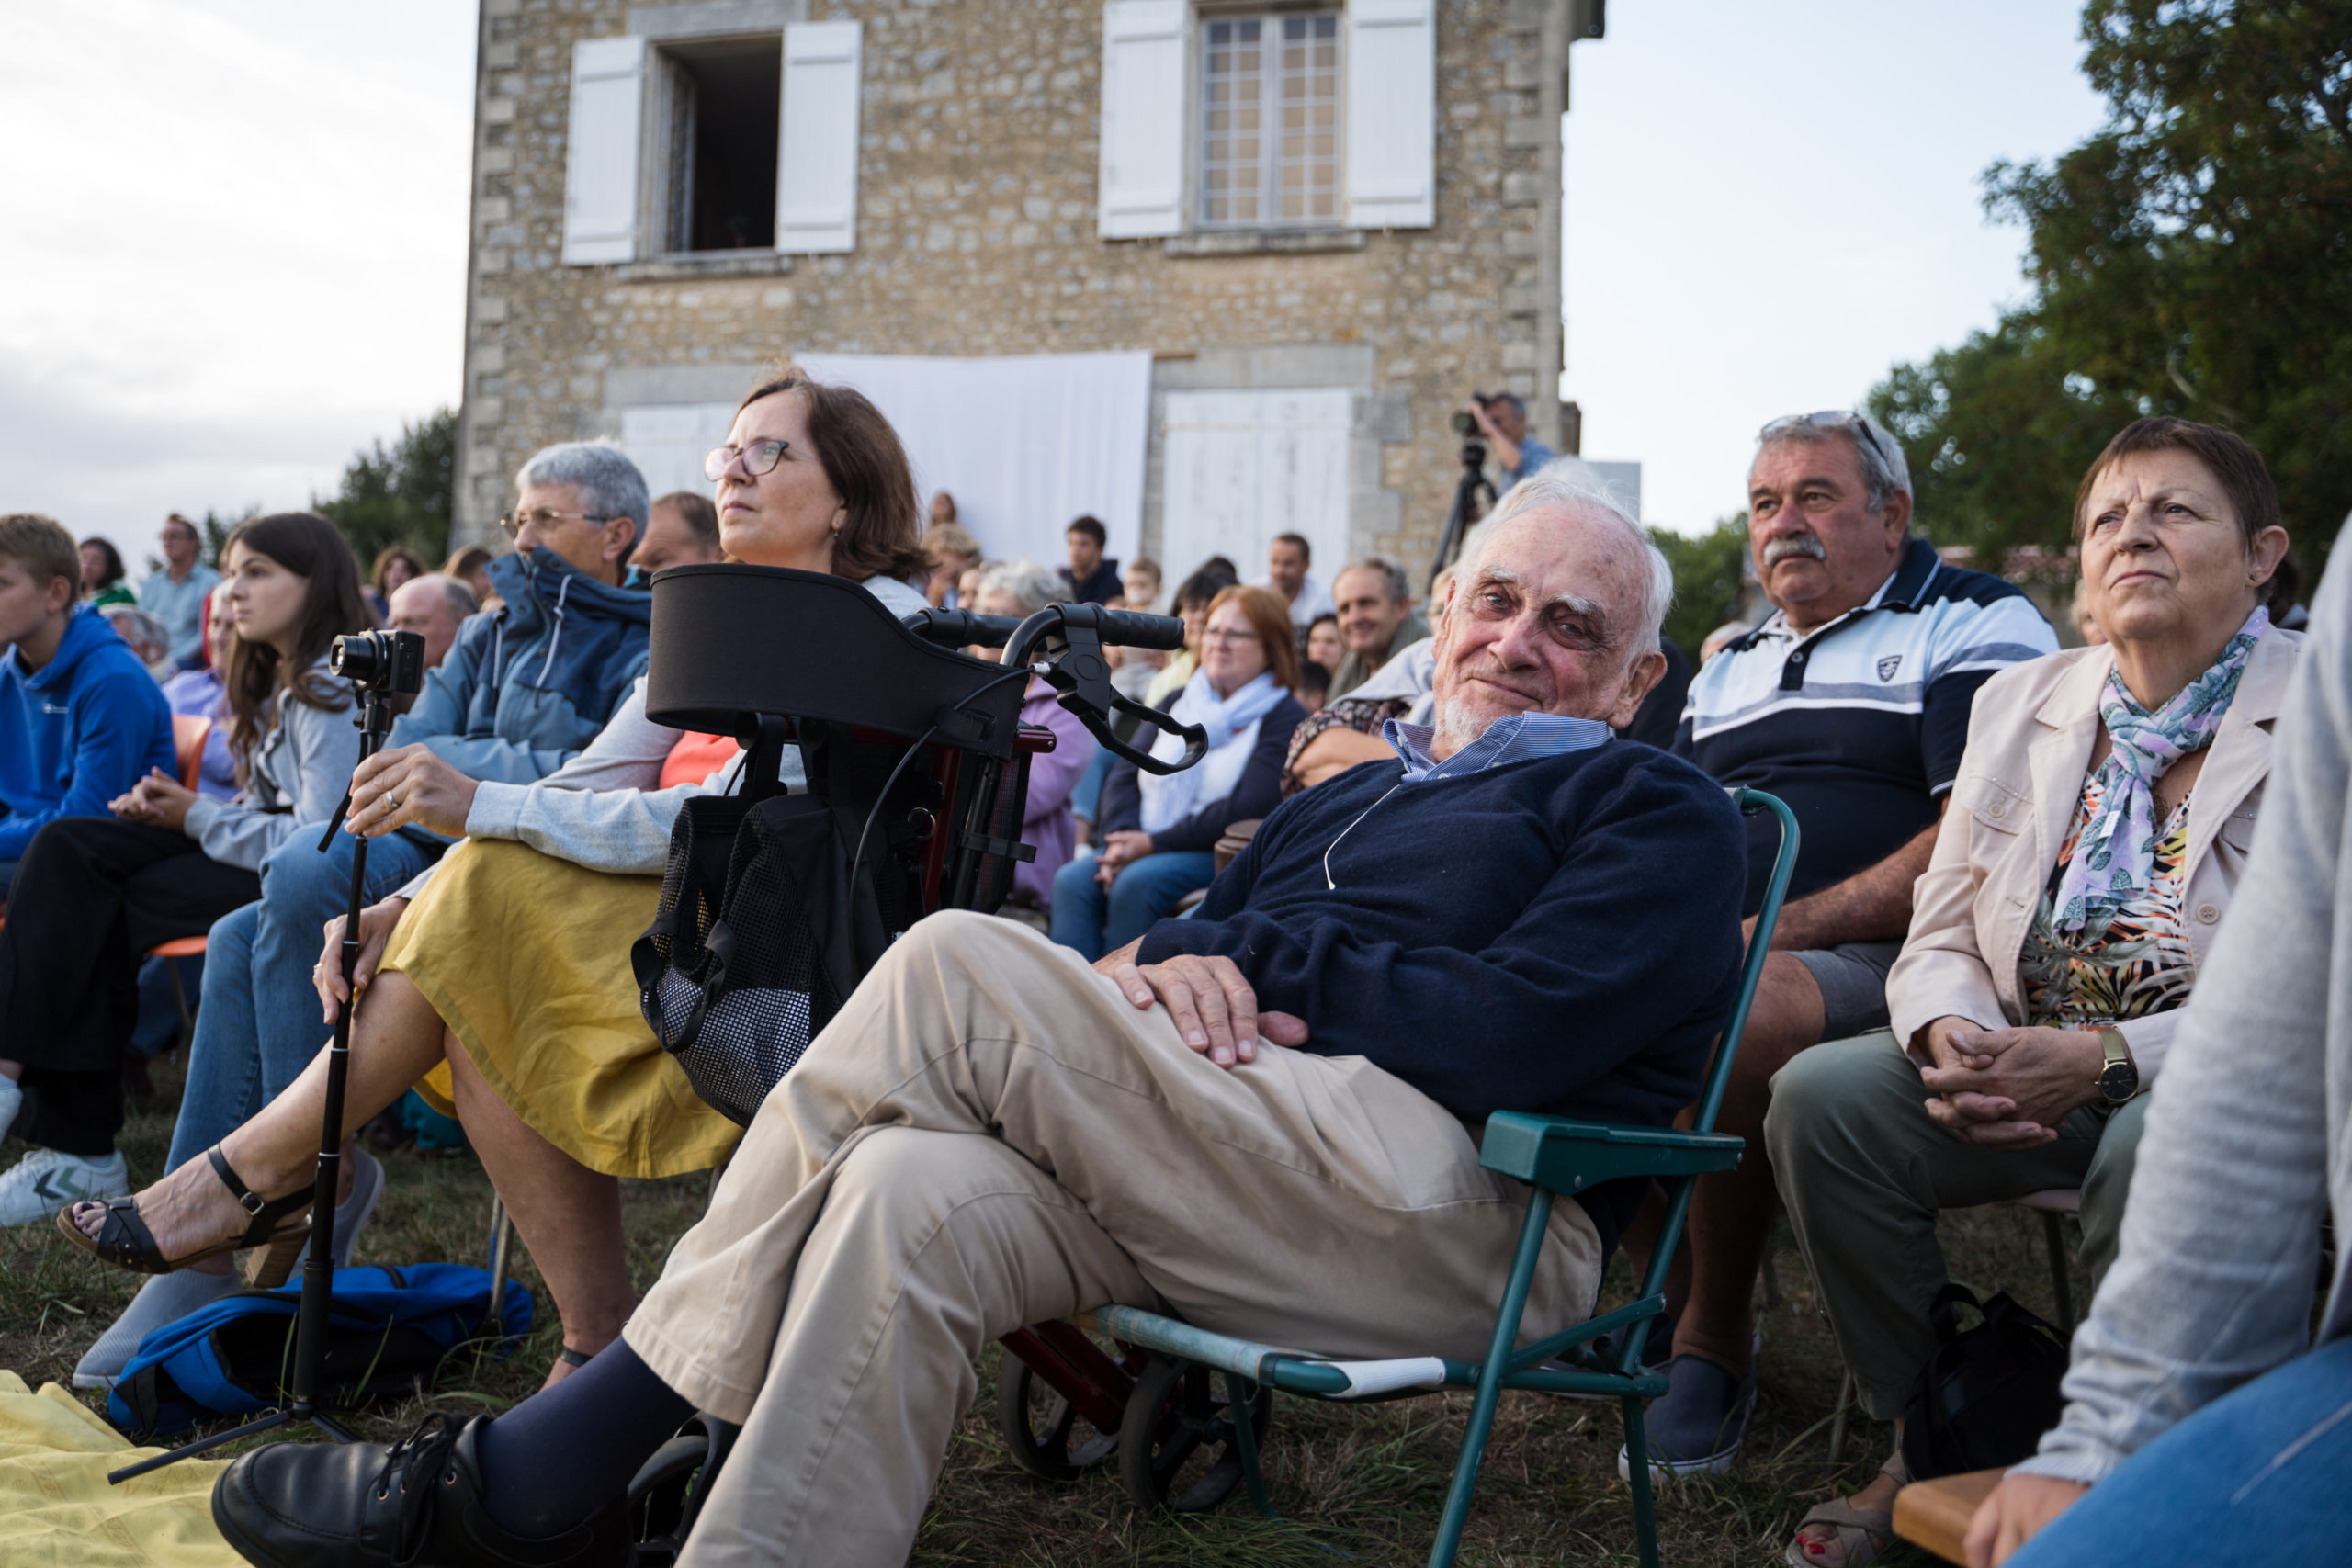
[189,732]
[1752,803]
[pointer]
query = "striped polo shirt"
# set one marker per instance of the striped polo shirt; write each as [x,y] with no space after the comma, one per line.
[1859,724]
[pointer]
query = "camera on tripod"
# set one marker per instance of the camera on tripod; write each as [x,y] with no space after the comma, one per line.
[388,663]
[1462,423]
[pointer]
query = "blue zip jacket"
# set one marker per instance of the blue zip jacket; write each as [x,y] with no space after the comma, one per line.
[77,732]
[525,688]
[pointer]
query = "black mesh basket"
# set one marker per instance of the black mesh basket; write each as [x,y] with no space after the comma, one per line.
[755,944]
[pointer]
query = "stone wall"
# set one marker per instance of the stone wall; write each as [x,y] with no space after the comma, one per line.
[975,235]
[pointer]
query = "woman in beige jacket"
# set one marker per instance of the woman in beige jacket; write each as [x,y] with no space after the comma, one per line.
[2104,811]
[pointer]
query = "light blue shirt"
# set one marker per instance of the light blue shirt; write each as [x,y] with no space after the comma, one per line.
[1514,738]
[180,607]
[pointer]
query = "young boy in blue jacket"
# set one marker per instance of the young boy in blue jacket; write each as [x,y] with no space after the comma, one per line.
[81,720]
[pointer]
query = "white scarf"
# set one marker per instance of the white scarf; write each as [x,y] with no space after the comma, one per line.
[1232,725]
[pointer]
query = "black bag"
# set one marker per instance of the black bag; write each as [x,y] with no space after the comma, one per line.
[1989,1392]
[757,942]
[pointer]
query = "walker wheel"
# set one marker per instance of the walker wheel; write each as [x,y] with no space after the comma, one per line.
[657,1497]
[1177,1447]
[1045,1432]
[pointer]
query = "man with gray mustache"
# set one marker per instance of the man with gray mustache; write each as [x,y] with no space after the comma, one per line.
[1850,702]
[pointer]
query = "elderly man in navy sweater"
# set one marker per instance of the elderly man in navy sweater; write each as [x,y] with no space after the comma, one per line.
[1261,1118]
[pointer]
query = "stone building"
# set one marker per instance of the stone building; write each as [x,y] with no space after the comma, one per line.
[1325,222]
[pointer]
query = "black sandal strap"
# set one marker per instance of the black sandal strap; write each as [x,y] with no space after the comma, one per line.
[572,1358]
[127,1243]
[264,1214]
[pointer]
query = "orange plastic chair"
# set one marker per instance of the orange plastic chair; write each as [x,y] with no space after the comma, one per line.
[188,734]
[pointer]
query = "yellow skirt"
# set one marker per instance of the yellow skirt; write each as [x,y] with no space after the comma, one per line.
[526,958]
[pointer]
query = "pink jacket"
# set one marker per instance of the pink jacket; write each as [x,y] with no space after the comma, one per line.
[2029,737]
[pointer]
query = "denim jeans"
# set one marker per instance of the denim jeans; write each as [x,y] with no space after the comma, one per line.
[1095,922]
[258,1025]
[2257,1474]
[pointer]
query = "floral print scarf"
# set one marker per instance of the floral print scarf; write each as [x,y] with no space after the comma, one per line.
[2115,856]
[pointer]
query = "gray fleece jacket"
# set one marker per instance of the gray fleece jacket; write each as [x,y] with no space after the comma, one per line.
[2249,1137]
[603,809]
[297,775]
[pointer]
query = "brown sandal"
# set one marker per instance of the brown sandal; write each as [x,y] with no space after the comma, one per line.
[271,1246]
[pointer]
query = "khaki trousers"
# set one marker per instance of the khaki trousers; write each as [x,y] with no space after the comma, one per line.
[989,1134]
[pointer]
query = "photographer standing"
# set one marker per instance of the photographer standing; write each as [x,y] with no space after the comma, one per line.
[1502,421]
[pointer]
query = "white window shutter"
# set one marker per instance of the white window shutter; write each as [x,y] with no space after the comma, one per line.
[600,195]
[1142,189]
[815,181]
[1392,114]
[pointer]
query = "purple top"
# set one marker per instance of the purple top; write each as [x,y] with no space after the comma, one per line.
[1051,825]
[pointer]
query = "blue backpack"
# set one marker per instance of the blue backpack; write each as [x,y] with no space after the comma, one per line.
[389,1331]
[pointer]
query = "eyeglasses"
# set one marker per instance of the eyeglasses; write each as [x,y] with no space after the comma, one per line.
[544,518]
[1829,419]
[1226,637]
[760,457]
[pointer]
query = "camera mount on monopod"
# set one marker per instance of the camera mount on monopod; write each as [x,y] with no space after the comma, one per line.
[379,666]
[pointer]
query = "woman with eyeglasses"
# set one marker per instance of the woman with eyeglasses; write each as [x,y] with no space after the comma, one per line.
[1159,831]
[502,980]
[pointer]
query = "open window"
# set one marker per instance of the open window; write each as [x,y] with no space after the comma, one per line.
[723,101]
[707,146]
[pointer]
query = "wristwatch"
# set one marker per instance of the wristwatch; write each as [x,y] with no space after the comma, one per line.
[2118,1080]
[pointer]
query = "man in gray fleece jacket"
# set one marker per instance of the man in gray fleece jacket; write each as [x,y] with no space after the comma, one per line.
[2197,1423]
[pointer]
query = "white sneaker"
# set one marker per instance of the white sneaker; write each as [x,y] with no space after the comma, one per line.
[12,1099]
[44,1181]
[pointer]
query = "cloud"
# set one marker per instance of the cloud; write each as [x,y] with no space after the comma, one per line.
[234,236]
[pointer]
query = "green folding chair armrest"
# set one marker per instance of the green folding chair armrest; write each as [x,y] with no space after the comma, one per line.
[1573,1156]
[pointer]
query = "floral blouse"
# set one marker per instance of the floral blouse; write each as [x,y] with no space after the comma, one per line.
[2138,965]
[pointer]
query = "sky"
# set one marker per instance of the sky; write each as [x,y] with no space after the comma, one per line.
[1768,207]
[232,248]
[233,232]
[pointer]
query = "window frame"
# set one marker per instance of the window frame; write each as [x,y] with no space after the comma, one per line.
[1206,14]
[661,214]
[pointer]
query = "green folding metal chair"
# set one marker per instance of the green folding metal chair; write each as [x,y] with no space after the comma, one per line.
[1170,1411]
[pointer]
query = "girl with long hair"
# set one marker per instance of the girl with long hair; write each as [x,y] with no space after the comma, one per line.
[93,894]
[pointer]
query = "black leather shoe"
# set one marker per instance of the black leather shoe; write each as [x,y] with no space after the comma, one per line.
[416,1504]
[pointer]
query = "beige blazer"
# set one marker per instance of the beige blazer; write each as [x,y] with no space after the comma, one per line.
[2029,737]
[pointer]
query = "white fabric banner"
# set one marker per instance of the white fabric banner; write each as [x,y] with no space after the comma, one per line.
[1023,443]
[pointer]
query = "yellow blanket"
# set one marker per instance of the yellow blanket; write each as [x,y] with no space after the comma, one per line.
[57,1511]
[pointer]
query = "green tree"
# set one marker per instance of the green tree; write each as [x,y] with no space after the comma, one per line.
[401,496]
[1706,578]
[2193,257]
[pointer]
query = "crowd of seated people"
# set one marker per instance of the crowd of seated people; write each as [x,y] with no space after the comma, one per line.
[2013,914]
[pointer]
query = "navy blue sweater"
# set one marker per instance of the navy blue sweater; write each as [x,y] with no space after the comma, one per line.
[1559,935]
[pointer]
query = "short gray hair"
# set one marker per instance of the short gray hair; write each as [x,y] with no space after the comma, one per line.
[138,627]
[1884,468]
[610,485]
[1029,585]
[1571,483]
[461,599]
[1399,585]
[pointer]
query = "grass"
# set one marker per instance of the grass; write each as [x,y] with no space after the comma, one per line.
[1362,1484]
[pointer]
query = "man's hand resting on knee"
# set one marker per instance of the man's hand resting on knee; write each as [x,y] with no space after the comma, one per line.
[1214,1008]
